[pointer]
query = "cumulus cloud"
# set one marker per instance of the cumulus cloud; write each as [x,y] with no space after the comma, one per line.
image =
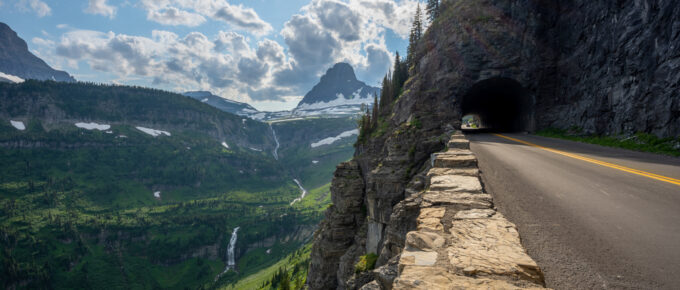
[224,64]
[100,7]
[396,16]
[338,17]
[230,63]
[242,17]
[330,31]
[187,12]
[39,7]
[232,42]
[174,16]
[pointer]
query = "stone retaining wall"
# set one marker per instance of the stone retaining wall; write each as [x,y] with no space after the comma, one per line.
[461,241]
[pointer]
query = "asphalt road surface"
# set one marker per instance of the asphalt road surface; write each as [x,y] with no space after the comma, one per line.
[587,225]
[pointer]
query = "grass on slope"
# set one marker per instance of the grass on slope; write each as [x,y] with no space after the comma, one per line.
[638,142]
[77,209]
[294,266]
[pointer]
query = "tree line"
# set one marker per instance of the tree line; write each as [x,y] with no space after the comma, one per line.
[393,82]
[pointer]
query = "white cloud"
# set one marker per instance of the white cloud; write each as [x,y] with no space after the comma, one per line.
[100,7]
[237,16]
[225,64]
[244,18]
[174,16]
[330,31]
[40,8]
[229,63]
[396,16]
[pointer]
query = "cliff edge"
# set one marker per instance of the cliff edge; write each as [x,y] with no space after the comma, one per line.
[605,67]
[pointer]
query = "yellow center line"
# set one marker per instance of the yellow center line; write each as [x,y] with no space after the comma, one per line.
[598,162]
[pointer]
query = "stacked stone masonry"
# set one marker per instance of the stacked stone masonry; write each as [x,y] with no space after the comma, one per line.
[461,241]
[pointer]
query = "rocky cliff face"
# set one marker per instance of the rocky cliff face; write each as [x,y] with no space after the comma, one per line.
[16,60]
[606,67]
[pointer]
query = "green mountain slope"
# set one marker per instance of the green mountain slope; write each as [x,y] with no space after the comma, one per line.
[120,208]
[314,166]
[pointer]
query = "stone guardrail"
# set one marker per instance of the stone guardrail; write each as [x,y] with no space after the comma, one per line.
[462,241]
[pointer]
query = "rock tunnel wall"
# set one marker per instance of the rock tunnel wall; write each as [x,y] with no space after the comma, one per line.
[606,66]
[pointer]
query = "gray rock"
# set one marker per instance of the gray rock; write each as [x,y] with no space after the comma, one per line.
[17,60]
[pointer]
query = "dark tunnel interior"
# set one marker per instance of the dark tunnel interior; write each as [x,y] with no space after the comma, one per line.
[500,105]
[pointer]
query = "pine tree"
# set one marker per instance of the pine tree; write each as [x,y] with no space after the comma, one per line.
[400,75]
[416,34]
[386,94]
[432,9]
[375,110]
[397,81]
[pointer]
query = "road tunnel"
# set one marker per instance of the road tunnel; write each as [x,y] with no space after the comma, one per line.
[499,105]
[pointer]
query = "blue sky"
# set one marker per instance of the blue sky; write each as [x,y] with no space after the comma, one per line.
[265,52]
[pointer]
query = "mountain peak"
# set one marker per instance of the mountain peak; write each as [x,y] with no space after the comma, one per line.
[338,87]
[341,71]
[17,60]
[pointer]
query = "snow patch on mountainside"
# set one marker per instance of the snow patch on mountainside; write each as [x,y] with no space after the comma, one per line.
[331,140]
[340,100]
[153,132]
[11,78]
[18,125]
[93,126]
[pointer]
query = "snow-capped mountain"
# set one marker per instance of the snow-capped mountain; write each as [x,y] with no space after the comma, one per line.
[337,93]
[17,61]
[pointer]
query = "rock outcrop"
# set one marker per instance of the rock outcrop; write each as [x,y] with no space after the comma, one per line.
[17,60]
[338,234]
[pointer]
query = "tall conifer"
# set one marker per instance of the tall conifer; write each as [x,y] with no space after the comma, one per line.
[414,37]
[432,9]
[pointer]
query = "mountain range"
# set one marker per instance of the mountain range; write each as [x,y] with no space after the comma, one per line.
[338,94]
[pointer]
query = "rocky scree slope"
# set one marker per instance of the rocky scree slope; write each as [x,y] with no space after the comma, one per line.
[17,60]
[604,67]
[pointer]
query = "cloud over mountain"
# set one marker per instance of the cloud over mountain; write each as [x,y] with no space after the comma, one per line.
[243,60]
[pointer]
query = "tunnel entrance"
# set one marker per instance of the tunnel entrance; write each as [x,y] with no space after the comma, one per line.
[499,105]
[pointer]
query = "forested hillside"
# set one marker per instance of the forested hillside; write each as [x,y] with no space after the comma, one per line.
[123,187]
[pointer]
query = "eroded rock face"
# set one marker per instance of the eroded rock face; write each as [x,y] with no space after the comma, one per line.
[334,241]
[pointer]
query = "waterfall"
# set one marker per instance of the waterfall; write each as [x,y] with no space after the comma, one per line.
[231,263]
[231,260]
[304,192]
[276,150]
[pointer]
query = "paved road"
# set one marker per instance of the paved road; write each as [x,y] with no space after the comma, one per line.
[588,226]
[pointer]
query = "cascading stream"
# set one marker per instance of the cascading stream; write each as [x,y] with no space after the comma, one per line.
[231,260]
[276,150]
[304,192]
